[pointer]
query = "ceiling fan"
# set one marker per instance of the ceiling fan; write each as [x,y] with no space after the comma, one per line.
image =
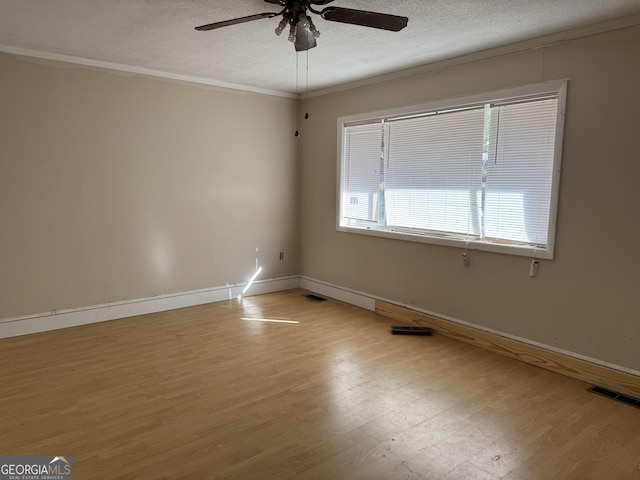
[302,31]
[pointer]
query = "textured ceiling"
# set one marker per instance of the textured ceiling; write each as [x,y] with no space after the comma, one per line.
[159,36]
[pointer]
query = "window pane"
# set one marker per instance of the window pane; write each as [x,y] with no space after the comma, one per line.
[363,145]
[519,171]
[434,172]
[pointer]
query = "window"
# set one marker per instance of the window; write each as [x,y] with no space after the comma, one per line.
[479,172]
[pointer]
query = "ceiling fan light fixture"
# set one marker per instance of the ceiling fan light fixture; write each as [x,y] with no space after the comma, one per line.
[293,32]
[303,19]
[312,28]
[305,39]
[305,22]
[283,23]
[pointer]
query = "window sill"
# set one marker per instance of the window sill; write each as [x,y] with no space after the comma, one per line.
[480,245]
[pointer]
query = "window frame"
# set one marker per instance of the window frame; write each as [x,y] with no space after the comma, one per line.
[556,87]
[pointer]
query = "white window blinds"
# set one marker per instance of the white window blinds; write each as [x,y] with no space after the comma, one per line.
[519,171]
[363,156]
[481,173]
[434,172]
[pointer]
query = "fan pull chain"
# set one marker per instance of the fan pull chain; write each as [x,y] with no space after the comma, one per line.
[306,90]
[297,89]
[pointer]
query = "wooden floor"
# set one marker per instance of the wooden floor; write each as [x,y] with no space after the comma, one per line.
[212,392]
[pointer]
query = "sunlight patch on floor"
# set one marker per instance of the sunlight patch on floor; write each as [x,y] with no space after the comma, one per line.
[268,320]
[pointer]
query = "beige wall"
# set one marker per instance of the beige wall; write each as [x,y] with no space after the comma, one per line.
[586,300]
[117,187]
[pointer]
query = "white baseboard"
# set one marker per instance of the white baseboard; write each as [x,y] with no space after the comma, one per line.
[13,327]
[16,326]
[352,297]
[367,301]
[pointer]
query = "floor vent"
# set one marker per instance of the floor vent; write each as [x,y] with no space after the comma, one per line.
[620,397]
[316,298]
[404,330]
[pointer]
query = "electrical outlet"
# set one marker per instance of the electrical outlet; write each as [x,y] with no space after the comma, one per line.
[281,255]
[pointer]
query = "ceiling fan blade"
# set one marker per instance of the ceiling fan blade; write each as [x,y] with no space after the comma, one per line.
[235,21]
[319,2]
[305,40]
[383,21]
[275,2]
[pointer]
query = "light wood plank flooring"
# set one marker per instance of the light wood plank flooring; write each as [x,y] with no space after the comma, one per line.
[212,392]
